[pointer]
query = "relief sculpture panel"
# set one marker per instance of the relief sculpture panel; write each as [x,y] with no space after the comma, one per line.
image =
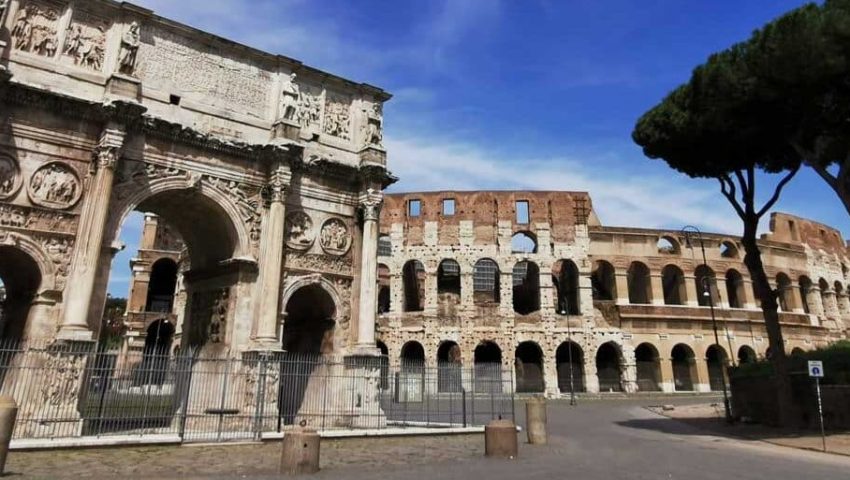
[35,29]
[299,231]
[338,116]
[335,238]
[55,185]
[10,177]
[85,41]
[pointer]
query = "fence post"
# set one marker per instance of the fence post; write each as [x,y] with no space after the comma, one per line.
[259,408]
[463,407]
[186,366]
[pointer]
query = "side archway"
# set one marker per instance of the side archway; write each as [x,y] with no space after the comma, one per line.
[529,368]
[609,367]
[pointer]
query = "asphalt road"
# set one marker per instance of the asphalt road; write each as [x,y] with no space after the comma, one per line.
[622,440]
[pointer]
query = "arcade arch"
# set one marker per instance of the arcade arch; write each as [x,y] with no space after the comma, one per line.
[609,368]
[603,282]
[526,287]
[684,368]
[529,368]
[570,364]
[648,368]
[673,283]
[565,280]
[21,279]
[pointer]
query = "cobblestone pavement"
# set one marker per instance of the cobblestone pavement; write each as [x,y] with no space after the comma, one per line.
[595,440]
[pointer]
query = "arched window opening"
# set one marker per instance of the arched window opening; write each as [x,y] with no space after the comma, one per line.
[746,355]
[156,354]
[684,368]
[806,292]
[449,368]
[526,282]
[20,278]
[385,365]
[783,286]
[412,357]
[570,364]
[603,281]
[448,288]
[735,288]
[609,368]
[162,286]
[487,368]
[728,249]
[716,359]
[411,378]
[797,352]
[826,297]
[648,368]
[384,291]
[706,284]
[667,245]
[523,242]
[640,290]
[413,279]
[565,281]
[528,360]
[673,283]
[385,246]
[485,282]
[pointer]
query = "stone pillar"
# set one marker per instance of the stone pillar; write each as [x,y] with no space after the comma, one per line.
[271,257]
[628,372]
[591,380]
[691,291]
[622,279]
[370,207]
[702,383]
[86,256]
[796,298]
[668,381]
[657,289]
[749,300]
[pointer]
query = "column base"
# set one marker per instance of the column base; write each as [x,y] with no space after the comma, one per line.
[283,130]
[366,351]
[75,334]
[123,86]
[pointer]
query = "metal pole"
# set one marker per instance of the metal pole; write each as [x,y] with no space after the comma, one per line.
[708,292]
[570,353]
[820,413]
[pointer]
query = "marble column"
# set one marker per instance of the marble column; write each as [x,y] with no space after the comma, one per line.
[622,280]
[370,205]
[657,286]
[271,266]
[87,248]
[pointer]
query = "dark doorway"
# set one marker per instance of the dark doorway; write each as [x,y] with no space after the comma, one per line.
[648,368]
[684,368]
[488,368]
[163,283]
[529,368]
[608,369]
[449,368]
[570,360]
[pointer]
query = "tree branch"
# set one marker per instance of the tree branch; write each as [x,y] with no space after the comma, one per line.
[727,188]
[767,206]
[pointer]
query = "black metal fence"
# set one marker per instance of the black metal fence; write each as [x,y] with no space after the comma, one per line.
[70,391]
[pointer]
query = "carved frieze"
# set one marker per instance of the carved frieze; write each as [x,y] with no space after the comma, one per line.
[319,263]
[10,177]
[373,133]
[249,203]
[59,251]
[64,372]
[13,216]
[335,237]
[289,98]
[172,59]
[35,29]
[55,185]
[310,108]
[338,116]
[299,231]
[208,317]
[85,40]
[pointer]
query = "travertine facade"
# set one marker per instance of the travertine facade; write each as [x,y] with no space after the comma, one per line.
[269,170]
[631,300]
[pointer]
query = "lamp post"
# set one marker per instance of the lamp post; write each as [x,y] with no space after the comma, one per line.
[687,232]
[566,311]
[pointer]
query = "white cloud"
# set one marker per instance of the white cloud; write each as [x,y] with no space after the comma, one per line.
[668,201]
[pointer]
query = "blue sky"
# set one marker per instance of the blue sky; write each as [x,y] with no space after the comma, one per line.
[532,94]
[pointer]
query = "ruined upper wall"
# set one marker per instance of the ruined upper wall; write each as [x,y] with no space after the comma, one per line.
[560,211]
[787,228]
[187,76]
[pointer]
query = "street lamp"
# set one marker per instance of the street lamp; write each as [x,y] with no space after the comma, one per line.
[566,311]
[687,232]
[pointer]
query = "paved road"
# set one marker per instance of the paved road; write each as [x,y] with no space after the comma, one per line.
[611,439]
[621,440]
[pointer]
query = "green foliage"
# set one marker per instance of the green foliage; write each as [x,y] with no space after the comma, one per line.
[835,358]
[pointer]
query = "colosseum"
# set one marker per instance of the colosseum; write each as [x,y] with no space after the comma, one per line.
[535,282]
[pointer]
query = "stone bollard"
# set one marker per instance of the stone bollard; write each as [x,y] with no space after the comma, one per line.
[8,414]
[535,419]
[300,452]
[500,439]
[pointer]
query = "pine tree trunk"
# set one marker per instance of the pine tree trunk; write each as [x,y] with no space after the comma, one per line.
[770,310]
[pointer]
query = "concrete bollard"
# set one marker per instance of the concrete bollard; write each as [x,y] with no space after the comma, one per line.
[300,452]
[8,414]
[500,439]
[535,419]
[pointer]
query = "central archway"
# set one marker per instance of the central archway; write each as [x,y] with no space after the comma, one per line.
[310,320]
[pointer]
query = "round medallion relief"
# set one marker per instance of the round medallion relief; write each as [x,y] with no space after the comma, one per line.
[10,177]
[335,238]
[54,185]
[299,231]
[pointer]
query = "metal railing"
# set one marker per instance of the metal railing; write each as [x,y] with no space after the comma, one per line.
[73,390]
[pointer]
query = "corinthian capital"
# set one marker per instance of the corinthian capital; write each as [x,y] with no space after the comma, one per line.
[279,184]
[105,156]
[370,204]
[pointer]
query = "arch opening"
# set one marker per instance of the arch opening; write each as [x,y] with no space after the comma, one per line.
[529,368]
[526,287]
[570,362]
[716,360]
[413,279]
[786,299]
[648,368]
[746,355]
[384,364]
[673,284]
[523,242]
[20,279]
[735,288]
[603,282]
[449,372]
[384,297]
[565,280]
[448,288]
[485,282]
[667,245]
[162,286]
[310,321]
[706,284]
[640,290]
[806,293]
[487,360]
[609,371]
[155,356]
[684,368]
